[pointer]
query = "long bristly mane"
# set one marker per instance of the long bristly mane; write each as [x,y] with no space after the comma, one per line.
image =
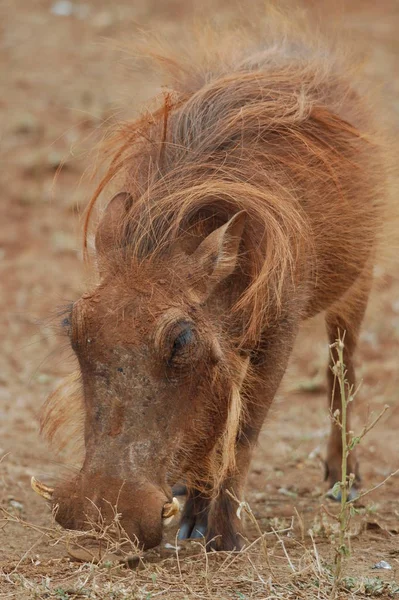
[239,132]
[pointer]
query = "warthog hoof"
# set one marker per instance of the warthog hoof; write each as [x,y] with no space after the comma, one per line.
[194,520]
[352,495]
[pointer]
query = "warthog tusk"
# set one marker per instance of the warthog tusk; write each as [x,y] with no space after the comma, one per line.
[170,510]
[43,490]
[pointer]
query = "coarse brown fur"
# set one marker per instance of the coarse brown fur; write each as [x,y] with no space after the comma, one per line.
[253,198]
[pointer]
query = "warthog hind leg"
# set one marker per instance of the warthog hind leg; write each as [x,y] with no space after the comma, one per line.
[344,319]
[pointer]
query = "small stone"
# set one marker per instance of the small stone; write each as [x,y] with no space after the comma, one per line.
[26,123]
[382,565]
[288,493]
[260,497]
[315,453]
[62,8]
[44,378]
[17,505]
[55,160]
[171,547]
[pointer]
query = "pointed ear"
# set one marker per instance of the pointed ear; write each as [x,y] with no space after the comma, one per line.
[216,257]
[108,229]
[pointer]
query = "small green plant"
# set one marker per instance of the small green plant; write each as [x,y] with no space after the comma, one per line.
[371,586]
[342,487]
[61,594]
[349,442]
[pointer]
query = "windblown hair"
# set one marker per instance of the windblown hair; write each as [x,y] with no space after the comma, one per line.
[225,452]
[62,419]
[266,133]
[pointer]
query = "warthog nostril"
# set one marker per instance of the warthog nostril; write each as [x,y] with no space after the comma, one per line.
[170,510]
[40,488]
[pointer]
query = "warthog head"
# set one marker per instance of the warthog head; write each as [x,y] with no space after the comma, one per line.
[157,370]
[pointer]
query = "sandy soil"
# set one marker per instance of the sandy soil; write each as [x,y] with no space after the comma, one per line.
[62,87]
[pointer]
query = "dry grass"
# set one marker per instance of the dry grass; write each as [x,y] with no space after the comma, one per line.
[284,561]
[278,564]
[293,569]
[283,558]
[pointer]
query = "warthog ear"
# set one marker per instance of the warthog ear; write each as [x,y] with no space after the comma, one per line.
[216,257]
[109,229]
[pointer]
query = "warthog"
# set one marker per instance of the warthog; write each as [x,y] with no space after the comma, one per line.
[251,199]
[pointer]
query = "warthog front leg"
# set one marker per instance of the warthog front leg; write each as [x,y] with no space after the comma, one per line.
[215,519]
[225,529]
[194,520]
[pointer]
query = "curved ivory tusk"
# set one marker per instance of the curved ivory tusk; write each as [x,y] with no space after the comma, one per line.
[40,488]
[170,510]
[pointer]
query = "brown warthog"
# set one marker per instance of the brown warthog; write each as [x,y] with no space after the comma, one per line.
[250,200]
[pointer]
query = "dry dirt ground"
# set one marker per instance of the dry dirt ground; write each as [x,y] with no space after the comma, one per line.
[62,82]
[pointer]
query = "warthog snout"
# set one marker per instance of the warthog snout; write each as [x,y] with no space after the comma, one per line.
[137,511]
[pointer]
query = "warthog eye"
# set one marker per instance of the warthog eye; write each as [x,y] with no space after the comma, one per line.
[183,337]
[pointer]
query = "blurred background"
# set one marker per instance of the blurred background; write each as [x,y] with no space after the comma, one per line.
[63,82]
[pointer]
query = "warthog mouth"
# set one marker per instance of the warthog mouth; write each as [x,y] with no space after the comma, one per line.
[169,510]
